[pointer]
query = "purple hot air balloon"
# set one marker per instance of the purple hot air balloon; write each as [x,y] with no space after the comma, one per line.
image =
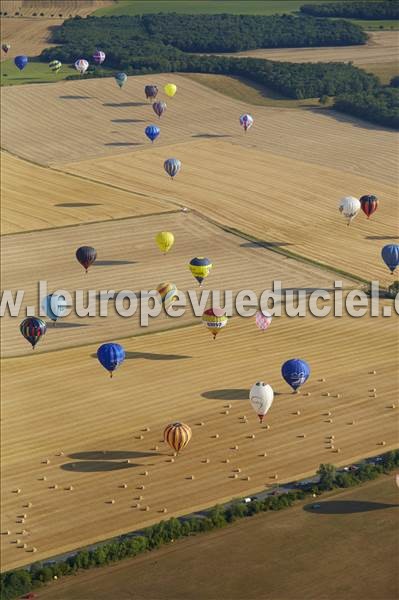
[159,108]
[99,57]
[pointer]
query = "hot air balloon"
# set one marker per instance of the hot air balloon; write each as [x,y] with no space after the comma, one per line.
[21,62]
[81,65]
[33,329]
[121,79]
[172,166]
[99,57]
[369,204]
[5,47]
[152,132]
[349,207]
[167,292]
[215,320]
[390,256]
[54,306]
[86,255]
[165,241]
[111,356]
[151,91]
[397,479]
[177,435]
[246,121]
[55,65]
[263,320]
[261,398]
[170,89]
[295,372]
[159,108]
[200,268]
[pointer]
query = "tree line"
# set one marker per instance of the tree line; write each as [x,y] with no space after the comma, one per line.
[379,106]
[18,582]
[382,9]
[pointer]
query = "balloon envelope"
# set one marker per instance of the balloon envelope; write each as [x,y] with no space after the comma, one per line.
[349,207]
[200,268]
[214,319]
[159,108]
[5,47]
[33,329]
[111,356]
[246,121]
[151,91]
[390,256]
[263,320]
[295,372]
[121,79]
[21,61]
[55,65]
[172,166]
[165,240]
[86,255]
[261,398]
[99,57]
[167,292]
[369,204]
[170,89]
[81,65]
[152,132]
[177,435]
[54,306]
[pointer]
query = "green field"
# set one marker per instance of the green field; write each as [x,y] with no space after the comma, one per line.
[34,72]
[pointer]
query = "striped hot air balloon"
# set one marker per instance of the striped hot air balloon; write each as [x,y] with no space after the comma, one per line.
[177,435]
[5,47]
[200,268]
[86,255]
[263,319]
[369,204]
[172,166]
[159,108]
[81,65]
[33,329]
[167,292]
[99,57]
[246,121]
[215,320]
[152,132]
[55,65]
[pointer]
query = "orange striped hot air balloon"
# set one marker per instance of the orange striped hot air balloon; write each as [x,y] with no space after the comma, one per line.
[177,435]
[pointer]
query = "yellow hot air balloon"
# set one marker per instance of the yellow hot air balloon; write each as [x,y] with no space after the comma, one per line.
[177,435]
[165,241]
[168,292]
[170,89]
[215,320]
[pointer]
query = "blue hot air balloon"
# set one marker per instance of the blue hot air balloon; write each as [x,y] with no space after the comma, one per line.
[54,306]
[295,372]
[21,61]
[152,132]
[111,356]
[121,79]
[390,256]
[172,166]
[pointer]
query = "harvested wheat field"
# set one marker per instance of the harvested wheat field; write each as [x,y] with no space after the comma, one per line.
[283,201]
[34,198]
[93,118]
[27,36]
[325,559]
[382,47]
[50,8]
[128,259]
[68,424]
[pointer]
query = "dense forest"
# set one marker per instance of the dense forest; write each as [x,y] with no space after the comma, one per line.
[378,106]
[382,9]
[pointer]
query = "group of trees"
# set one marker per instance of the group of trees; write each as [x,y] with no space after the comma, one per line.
[379,106]
[381,9]
[16,583]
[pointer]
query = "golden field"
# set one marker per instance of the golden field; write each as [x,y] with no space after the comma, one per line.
[53,7]
[65,402]
[26,36]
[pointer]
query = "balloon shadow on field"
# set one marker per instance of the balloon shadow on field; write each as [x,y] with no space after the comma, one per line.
[61,325]
[152,356]
[345,507]
[124,104]
[110,455]
[210,135]
[111,263]
[382,237]
[121,144]
[75,97]
[227,394]
[88,466]
[264,244]
[127,121]
[76,204]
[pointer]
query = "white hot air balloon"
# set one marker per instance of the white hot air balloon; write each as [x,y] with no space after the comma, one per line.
[349,207]
[81,65]
[261,398]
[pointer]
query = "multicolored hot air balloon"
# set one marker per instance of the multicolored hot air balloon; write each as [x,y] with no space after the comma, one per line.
[200,268]
[111,356]
[159,108]
[263,319]
[390,256]
[33,329]
[5,47]
[54,306]
[99,57]
[349,207]
[152,132]
[21,62]
[81,65]
[295,372]
[215,320]
[86,255]
[55,65]
[261,398]
[170,89]
[151,91]
[165,241]
[177,435]
[246,121]
[172,166]
[167,292]
[121,79]
[369,204]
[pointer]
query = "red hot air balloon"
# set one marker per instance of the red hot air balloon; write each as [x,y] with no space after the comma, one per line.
[86,255]
[369,204]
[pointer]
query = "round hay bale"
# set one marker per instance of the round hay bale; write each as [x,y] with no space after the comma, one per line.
[247,478]
[228,405]
[267,427]
[123,485]
[45,461]
[251,436]
[201,424]
[216,436]
[174,454]
[164,510]
[338,396]
[69,488]
[383,443]
[226,460]
[328,414]
[372,372]
[170,460]
[263,454]
[127,461]
[144,473]
[327,394]
[28,505]
[237,470]
[307,394]
[233,476]
[352,422]
[139,437]
[24,516]
[146,429]
[112,501]
[234,448]
[331,437]
[338,450]
[137,505]
[43,478]
[191,477]
[139,498]
[303,435]
[17,541]
[60,453]
[205,460]
[225,412]
[34,549]
[372,390]
[374,396]
[322,380]
[7,532]
[140,487]
[17,491]
[298,412]
[24,546]
[275,476]
[329,420]
[146,508]
[53,486]
[392,406]
[155,448]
